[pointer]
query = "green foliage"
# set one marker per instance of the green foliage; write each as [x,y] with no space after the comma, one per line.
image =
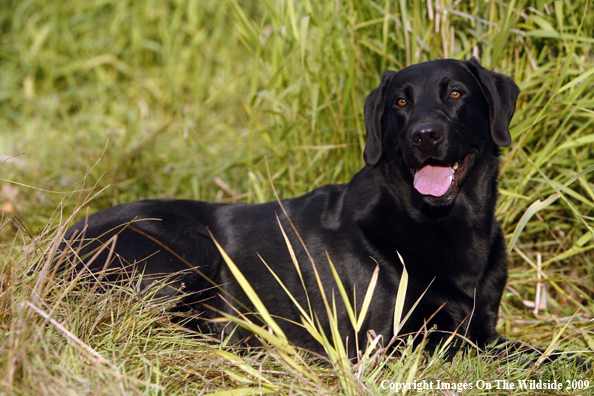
[190,99]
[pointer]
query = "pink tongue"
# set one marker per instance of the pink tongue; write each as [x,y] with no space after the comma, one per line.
[433,180]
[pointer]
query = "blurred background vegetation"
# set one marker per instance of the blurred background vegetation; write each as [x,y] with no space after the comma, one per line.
[186,99]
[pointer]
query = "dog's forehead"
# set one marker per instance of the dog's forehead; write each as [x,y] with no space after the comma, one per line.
[433,73]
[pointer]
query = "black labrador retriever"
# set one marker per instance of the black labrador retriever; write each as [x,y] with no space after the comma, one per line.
[428,192]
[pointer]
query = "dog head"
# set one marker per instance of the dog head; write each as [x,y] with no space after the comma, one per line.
[434,119]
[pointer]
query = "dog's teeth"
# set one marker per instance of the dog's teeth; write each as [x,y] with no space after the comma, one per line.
[455,166]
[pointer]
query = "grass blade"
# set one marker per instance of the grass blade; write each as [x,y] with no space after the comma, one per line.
[400,297]
[250,292]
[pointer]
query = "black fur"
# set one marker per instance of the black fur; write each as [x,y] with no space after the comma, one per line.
[451,242]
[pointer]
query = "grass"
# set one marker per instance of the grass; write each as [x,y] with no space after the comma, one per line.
[136,100]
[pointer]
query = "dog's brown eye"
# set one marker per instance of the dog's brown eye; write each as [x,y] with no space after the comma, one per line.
[401,102]
[455,95]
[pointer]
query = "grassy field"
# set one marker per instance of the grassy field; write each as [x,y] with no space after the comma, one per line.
[104,102]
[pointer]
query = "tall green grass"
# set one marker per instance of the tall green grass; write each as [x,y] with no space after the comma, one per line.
[190,99]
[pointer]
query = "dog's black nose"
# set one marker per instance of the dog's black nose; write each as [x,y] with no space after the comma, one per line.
[426,136]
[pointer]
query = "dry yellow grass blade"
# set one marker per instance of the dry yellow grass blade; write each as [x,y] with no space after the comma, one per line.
[252,295]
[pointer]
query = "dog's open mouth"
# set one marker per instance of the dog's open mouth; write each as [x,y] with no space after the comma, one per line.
[437,179]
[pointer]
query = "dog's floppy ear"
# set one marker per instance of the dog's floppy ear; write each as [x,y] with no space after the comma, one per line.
[374,109]
[501,94]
